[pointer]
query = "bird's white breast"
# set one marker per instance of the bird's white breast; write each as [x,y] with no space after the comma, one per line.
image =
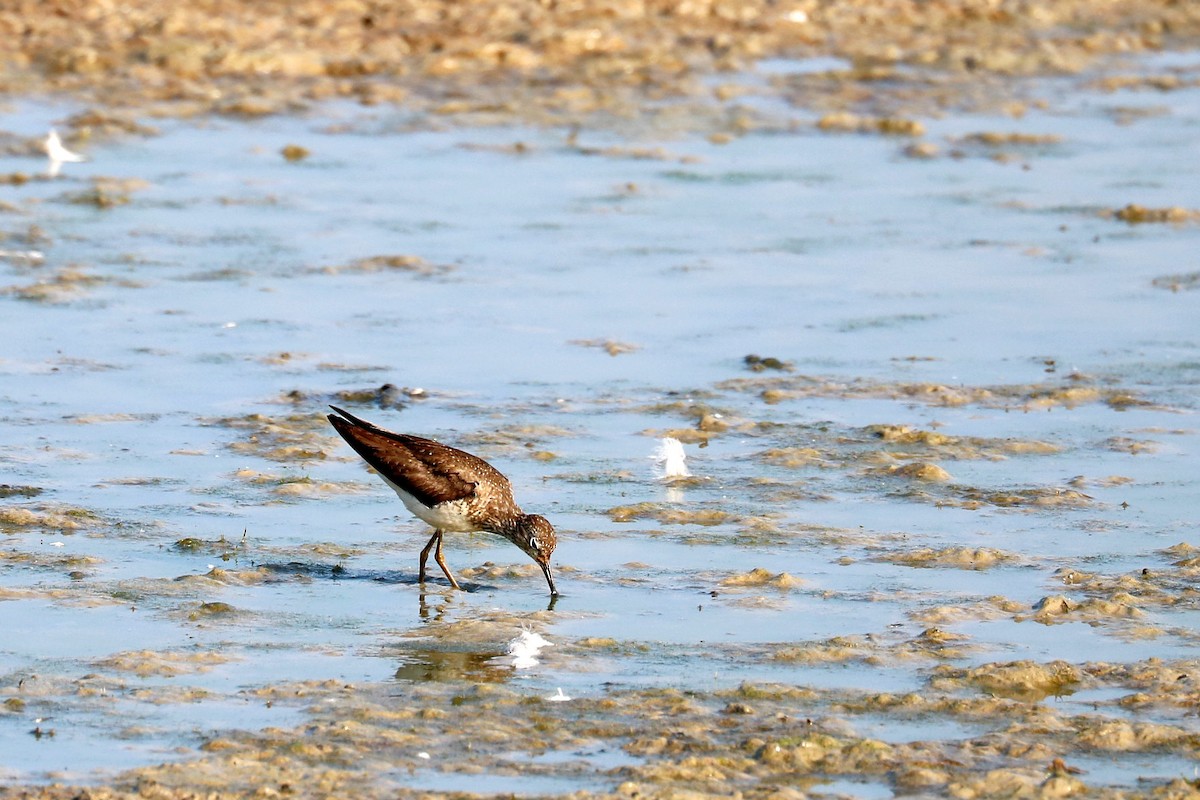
[451,516]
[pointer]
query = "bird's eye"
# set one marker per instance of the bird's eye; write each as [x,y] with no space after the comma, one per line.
[534,543]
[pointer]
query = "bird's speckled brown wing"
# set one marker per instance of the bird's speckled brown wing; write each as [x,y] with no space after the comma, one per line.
[430,471]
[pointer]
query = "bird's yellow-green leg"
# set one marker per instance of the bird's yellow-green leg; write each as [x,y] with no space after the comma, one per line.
[437,556]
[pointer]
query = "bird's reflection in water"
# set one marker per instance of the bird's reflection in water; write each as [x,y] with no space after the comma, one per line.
[433,612]
[428,664]
[491,665]
[452,665]
[436,611]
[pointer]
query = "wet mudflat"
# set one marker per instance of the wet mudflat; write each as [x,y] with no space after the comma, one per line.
[937,389]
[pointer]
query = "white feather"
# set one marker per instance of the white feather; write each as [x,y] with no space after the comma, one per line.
[671,460]
[57,152]
[525,647]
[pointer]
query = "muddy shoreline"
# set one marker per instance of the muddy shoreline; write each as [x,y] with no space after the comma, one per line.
[584,63]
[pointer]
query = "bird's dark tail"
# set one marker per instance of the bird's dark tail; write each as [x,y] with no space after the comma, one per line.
[347,422]
[362,423]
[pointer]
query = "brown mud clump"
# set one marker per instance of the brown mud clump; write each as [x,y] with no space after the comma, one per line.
[1135,214]
[762,578]
[952,557]
[917,471]
[1018,680]
[610,346]
[295,152]
[295,437]
[414,265]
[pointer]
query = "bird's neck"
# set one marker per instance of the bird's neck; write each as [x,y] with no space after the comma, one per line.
[508,525]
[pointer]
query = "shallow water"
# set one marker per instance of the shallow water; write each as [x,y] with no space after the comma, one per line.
[232,278]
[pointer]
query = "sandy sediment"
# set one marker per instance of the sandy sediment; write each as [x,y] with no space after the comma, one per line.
[559,62]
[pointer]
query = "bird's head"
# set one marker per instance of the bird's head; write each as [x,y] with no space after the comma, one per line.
[535,536]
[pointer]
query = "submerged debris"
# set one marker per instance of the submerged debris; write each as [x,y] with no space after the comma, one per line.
[293,437]
[756,363]
[394,263]
[146,663]
[107,193]
[9,490]
[1134,214]
[670,515]
[996,139]
[892,126]
[294,152]
[610,346]
[1178,283]
[64,285]
[1075,391]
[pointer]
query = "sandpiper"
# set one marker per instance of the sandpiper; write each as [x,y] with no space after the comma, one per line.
[450,489]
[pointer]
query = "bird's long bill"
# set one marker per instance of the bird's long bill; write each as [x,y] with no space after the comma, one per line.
[549,579]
